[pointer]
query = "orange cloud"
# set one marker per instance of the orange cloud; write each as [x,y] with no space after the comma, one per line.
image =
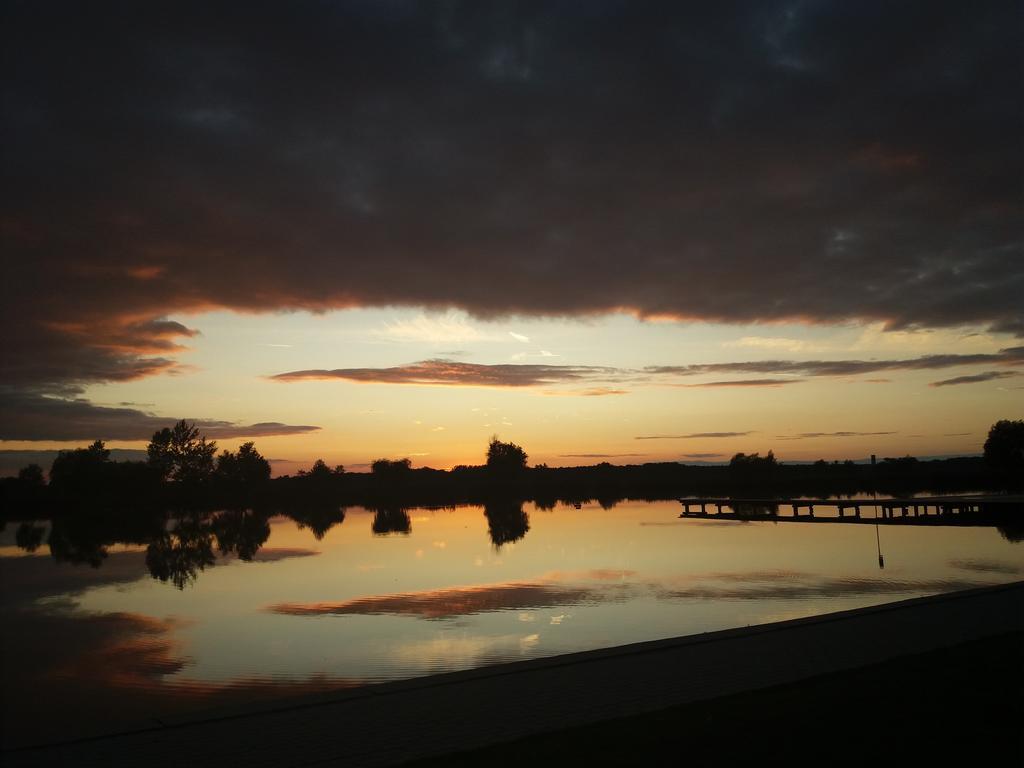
[976,378]
[442,372]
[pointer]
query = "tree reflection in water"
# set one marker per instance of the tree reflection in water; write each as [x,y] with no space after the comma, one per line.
[29,537]
[388,520]
[506,521]
[83,537]
[179,549]
[241,532]
[181,554]
[318,518]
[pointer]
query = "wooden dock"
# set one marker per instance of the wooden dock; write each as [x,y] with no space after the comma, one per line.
[931,510]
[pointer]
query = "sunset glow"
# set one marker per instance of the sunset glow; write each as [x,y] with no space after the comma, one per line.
[480,382]
[351,386]
[528,243]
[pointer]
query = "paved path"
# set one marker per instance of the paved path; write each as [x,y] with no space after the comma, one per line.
[393,722]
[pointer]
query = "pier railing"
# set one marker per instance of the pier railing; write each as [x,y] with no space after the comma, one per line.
[929,510]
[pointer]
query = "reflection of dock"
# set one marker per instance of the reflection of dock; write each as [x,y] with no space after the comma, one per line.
[932,510]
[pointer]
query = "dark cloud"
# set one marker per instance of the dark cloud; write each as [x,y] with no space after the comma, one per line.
[745,383]
[229,429]
[1006,356]
[33,416]
[451,373]
[805,587]
[598,455]
[37,577]
[730,162]
[448,603]
[441,372]
[976,378]
[986,566]
[693,435]
[806,435]
[273,554]
[465,601]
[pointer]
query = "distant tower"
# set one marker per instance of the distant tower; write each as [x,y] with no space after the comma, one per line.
[872,459]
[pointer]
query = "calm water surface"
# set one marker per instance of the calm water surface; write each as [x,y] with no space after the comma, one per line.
[95,649]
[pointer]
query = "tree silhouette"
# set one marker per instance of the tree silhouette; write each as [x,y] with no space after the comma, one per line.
[1004,448]
[320,470]
[79,468]
[182,454]
[753,462]
[31,476]
[242,474]
[386,468]
[901,461]
[505,457]
[246,468]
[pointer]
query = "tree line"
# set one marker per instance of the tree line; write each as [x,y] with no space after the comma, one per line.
[183,470]
[190,505]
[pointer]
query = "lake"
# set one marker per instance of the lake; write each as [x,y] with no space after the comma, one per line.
[168,629]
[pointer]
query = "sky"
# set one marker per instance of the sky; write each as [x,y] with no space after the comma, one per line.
[608,231]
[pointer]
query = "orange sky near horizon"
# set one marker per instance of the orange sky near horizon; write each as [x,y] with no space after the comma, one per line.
[622,414]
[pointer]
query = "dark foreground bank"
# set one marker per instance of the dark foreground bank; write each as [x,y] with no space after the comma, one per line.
[954,706]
